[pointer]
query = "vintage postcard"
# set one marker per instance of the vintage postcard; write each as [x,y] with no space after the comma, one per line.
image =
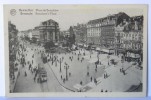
[75,50]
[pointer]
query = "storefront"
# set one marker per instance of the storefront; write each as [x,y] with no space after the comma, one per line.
[133,56]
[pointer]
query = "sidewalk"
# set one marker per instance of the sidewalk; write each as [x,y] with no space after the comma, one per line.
[13,82]
[78,71]
[118,82]
[26,84]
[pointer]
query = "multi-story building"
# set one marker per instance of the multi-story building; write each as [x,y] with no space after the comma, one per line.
[94,32]
[129,38]
[36,33]
[101,32]
[65,33]
[13,46]
[108,28]
[49,31]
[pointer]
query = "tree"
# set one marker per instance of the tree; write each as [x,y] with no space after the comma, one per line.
[72,35]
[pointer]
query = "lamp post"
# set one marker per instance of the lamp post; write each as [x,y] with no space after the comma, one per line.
[60,64]
[66,68]
[108,59]
[122,61]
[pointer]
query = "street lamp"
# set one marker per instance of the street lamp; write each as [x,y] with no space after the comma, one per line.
[108,59]
[60,64]
[122,61]
[66,67]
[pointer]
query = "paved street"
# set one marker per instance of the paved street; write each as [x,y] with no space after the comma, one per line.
[70,69]
[27,84]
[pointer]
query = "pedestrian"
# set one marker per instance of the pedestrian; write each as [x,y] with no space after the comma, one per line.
[25,74]
[122,69]
[64,80]
[91,78]
[69,74]
[81,82]
[95,81]
[95,69]
[34,79]
[29,66]
[104,76]
[87,73]
[124,72]
[95,65]
[61,76]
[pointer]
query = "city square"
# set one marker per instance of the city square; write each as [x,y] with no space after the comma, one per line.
[104,54]
[70,73]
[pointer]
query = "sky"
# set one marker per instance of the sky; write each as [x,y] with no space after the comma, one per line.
[68,15]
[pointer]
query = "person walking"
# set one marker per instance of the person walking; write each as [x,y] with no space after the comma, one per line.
[29,66]
[91,78]
[34,79]
[25,74]
[95,69]
[81,82]
[104,76]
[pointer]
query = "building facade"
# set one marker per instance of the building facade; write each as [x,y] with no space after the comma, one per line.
[36,33]
[49,31]
[94,32]
[101,32]
[108,28]
[13,47]
[131,39]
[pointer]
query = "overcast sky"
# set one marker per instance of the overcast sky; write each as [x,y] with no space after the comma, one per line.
[68,15]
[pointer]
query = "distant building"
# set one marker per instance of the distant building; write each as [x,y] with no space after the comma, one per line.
[129,38]
[94,32]
[80,32]
[27,33]
[12,30]
[49,31]
[13,47]
[65,33]
[36,33]
[101,32]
